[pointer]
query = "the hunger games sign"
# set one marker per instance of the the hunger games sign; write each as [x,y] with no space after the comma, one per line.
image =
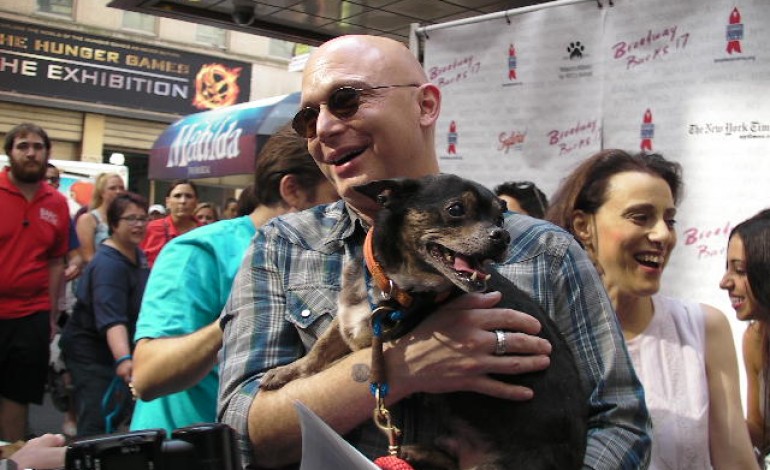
[45,61]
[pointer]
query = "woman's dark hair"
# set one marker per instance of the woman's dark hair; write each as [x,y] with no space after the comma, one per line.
[176,183]
[285,153]
[755,235]
[247,201]
[119,205]
[26,129]
[585,188]
[530,198]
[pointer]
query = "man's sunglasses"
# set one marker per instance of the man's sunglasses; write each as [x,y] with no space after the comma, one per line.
[343,103]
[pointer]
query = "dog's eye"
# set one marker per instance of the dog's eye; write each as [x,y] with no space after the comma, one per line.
[456,209]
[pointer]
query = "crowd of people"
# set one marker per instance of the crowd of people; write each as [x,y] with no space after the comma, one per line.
[178,315]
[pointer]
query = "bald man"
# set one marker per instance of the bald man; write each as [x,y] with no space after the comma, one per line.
[368,113]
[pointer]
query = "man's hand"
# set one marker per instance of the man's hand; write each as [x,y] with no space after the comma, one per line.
[124,370]
[453,349]
[44,452]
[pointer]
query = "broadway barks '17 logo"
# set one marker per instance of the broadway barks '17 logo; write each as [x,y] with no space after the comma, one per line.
[734,32]
[647,131]
[216,86]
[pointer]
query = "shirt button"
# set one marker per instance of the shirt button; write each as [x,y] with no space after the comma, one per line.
[305,313]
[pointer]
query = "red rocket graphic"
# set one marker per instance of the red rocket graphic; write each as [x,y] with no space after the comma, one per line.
[648,131]
[511,63]
[452,138]
[734,32]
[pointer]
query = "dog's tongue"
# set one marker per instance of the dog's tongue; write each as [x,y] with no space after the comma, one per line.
[463,264]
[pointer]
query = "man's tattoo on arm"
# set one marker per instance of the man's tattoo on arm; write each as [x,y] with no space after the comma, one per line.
[360,372]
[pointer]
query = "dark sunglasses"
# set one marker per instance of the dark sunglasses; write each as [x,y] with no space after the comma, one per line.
[343,103]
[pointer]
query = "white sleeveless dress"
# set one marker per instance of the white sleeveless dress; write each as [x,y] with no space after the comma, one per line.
[669,358]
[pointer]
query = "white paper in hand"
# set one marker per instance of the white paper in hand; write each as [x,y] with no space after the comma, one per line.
[324,449]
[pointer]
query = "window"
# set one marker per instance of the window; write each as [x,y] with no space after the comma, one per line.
[280,48]
[210,35]
[139,22]
[55,7]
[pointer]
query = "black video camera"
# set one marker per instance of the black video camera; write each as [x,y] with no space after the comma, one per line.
[209,446]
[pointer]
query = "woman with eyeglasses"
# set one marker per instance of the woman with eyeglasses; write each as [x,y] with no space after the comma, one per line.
[92,228]
[622,209]
[96,342]
[181,201]
[523,197]
[747,282]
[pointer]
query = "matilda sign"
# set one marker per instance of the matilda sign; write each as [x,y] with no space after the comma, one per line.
[219,142]
[44,61]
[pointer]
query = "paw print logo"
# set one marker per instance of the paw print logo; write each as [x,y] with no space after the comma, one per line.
[575,50]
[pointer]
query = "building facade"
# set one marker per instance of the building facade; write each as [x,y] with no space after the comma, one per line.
[105,83]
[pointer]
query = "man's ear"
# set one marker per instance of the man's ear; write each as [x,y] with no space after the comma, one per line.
[291,192]
[430,104]
[583,227]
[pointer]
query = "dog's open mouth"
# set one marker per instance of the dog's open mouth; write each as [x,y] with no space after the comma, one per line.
[469,272]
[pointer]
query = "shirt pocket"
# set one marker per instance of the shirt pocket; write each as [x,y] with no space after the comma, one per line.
[311,309]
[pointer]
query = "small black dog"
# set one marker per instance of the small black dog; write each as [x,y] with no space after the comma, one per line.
[438,235]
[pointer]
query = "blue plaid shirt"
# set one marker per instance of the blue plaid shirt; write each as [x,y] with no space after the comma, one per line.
[285,296]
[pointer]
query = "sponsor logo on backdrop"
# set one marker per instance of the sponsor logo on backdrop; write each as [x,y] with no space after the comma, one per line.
[734,35]
[576,52]
[512,66]
[460,69]
[735,129]
[452,139]
[583,134]
[216,86]
[734,32]
[513,140]
[653,46]
[707,242]
[647,131]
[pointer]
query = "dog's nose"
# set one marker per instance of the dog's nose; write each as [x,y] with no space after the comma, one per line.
[500,236]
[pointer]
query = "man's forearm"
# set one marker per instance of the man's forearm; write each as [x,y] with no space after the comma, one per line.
[55,284]
[168,365]
[339,395]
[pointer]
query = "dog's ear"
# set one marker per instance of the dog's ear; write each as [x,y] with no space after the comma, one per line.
[382,191]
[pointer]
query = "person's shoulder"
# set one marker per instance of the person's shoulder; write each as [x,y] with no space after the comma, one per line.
[58,198]
[311,228]
[5,182]
[531,236]
[156,226]
[224,234]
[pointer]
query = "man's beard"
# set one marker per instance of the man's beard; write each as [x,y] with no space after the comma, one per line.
[25,174]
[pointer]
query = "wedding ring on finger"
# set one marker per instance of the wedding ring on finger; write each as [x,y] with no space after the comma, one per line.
[500,343]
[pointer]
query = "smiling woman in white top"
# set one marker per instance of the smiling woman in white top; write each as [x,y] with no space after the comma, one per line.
[622,208]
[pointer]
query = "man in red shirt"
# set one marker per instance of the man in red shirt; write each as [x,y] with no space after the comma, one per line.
[34,232]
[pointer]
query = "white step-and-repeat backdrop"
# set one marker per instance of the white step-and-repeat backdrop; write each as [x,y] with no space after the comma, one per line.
[529,95]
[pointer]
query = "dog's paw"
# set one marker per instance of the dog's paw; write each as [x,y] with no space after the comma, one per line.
[428,458]
[278,377]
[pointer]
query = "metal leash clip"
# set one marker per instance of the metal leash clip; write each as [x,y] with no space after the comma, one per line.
[383,421]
